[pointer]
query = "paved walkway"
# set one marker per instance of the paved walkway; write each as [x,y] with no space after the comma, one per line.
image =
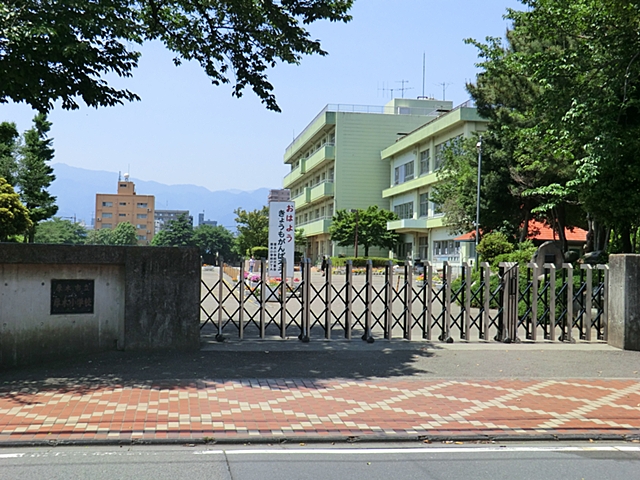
[202,410]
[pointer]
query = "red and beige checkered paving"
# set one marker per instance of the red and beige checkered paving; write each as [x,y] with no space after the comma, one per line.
[312,408]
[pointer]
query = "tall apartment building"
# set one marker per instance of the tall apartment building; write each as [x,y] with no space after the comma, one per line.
[412,163]
[127,206]
[202,221]
[163,217]
[335,163]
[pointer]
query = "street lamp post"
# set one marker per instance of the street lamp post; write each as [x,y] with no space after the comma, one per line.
[479,147]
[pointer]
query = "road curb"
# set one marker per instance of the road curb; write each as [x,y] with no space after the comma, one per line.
[327,439]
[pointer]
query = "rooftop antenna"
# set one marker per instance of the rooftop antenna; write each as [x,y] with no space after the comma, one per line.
[444,86]
[385,89]
[424,62]
[119,176]
[403,88]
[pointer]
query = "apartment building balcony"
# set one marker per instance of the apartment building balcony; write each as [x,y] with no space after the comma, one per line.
[320,157]
[294,175]
[302,199]
[408,224]
[315,227]
[321,191]
[419,182]
[436,221]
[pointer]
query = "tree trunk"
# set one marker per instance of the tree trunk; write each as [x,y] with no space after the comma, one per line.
[559,225]
[625,235]
[366,250]
[524,231]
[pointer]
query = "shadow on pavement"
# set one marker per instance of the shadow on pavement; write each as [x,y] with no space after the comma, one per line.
[290,359]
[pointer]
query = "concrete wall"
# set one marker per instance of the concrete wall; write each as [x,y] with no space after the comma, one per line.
[146,298]
[624,302]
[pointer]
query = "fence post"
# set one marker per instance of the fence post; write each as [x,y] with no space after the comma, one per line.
[306,288]
[219,336]
[368,306]
[605,306]
[327,300]
[283,298]
[428,285]
[569,316]
[587,300]
[467,300]
[263,295]
[552,300]
[241,284]
[534,300]
[348,294]
[486,318]
[446,276]
[388,297]
[408,299]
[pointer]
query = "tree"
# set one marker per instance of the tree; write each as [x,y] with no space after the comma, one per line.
[9,141]
[372,228]
[63,50]
[178,233]
[521,174]
[35,175]
[58,230]
[576,146]
[213,241]
[123,234]
[253,229]
[99,237]
[14,216]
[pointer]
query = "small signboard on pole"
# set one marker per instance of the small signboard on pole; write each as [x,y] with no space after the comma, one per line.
[281,234]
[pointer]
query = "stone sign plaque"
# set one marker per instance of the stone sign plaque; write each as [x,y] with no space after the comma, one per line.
[72,296]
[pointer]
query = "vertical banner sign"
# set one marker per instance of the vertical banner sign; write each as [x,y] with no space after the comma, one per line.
[281,237]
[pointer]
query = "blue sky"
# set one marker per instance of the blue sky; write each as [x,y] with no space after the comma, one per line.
[185,130]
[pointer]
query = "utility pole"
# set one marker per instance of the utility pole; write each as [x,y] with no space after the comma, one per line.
[479,147]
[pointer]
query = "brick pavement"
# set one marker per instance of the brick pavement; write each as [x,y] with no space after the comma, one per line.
[317,409]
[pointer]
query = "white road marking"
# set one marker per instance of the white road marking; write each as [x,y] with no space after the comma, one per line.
[11,455]
[427,450]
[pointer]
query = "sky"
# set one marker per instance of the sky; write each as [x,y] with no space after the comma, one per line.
[187,131]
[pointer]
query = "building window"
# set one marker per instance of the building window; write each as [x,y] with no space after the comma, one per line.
[408,171]
[141,215]
[107,215]
[423,247]
[142,237]
[107,204]
[123,185]
[122,214]
[106,225]
[142,205]
[446,247]
[455,144]
[404,210]
[424,204]
[403,173]
[425,163]
[141,226]
[436,208]
[123,204]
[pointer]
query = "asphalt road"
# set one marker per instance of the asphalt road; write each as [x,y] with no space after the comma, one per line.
[379,462]
[338,359]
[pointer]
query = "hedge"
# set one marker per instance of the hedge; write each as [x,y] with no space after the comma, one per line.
[361,261]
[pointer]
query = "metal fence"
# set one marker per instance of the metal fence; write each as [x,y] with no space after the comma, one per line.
[512,304]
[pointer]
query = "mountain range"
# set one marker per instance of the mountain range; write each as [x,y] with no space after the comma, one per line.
[76,188]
